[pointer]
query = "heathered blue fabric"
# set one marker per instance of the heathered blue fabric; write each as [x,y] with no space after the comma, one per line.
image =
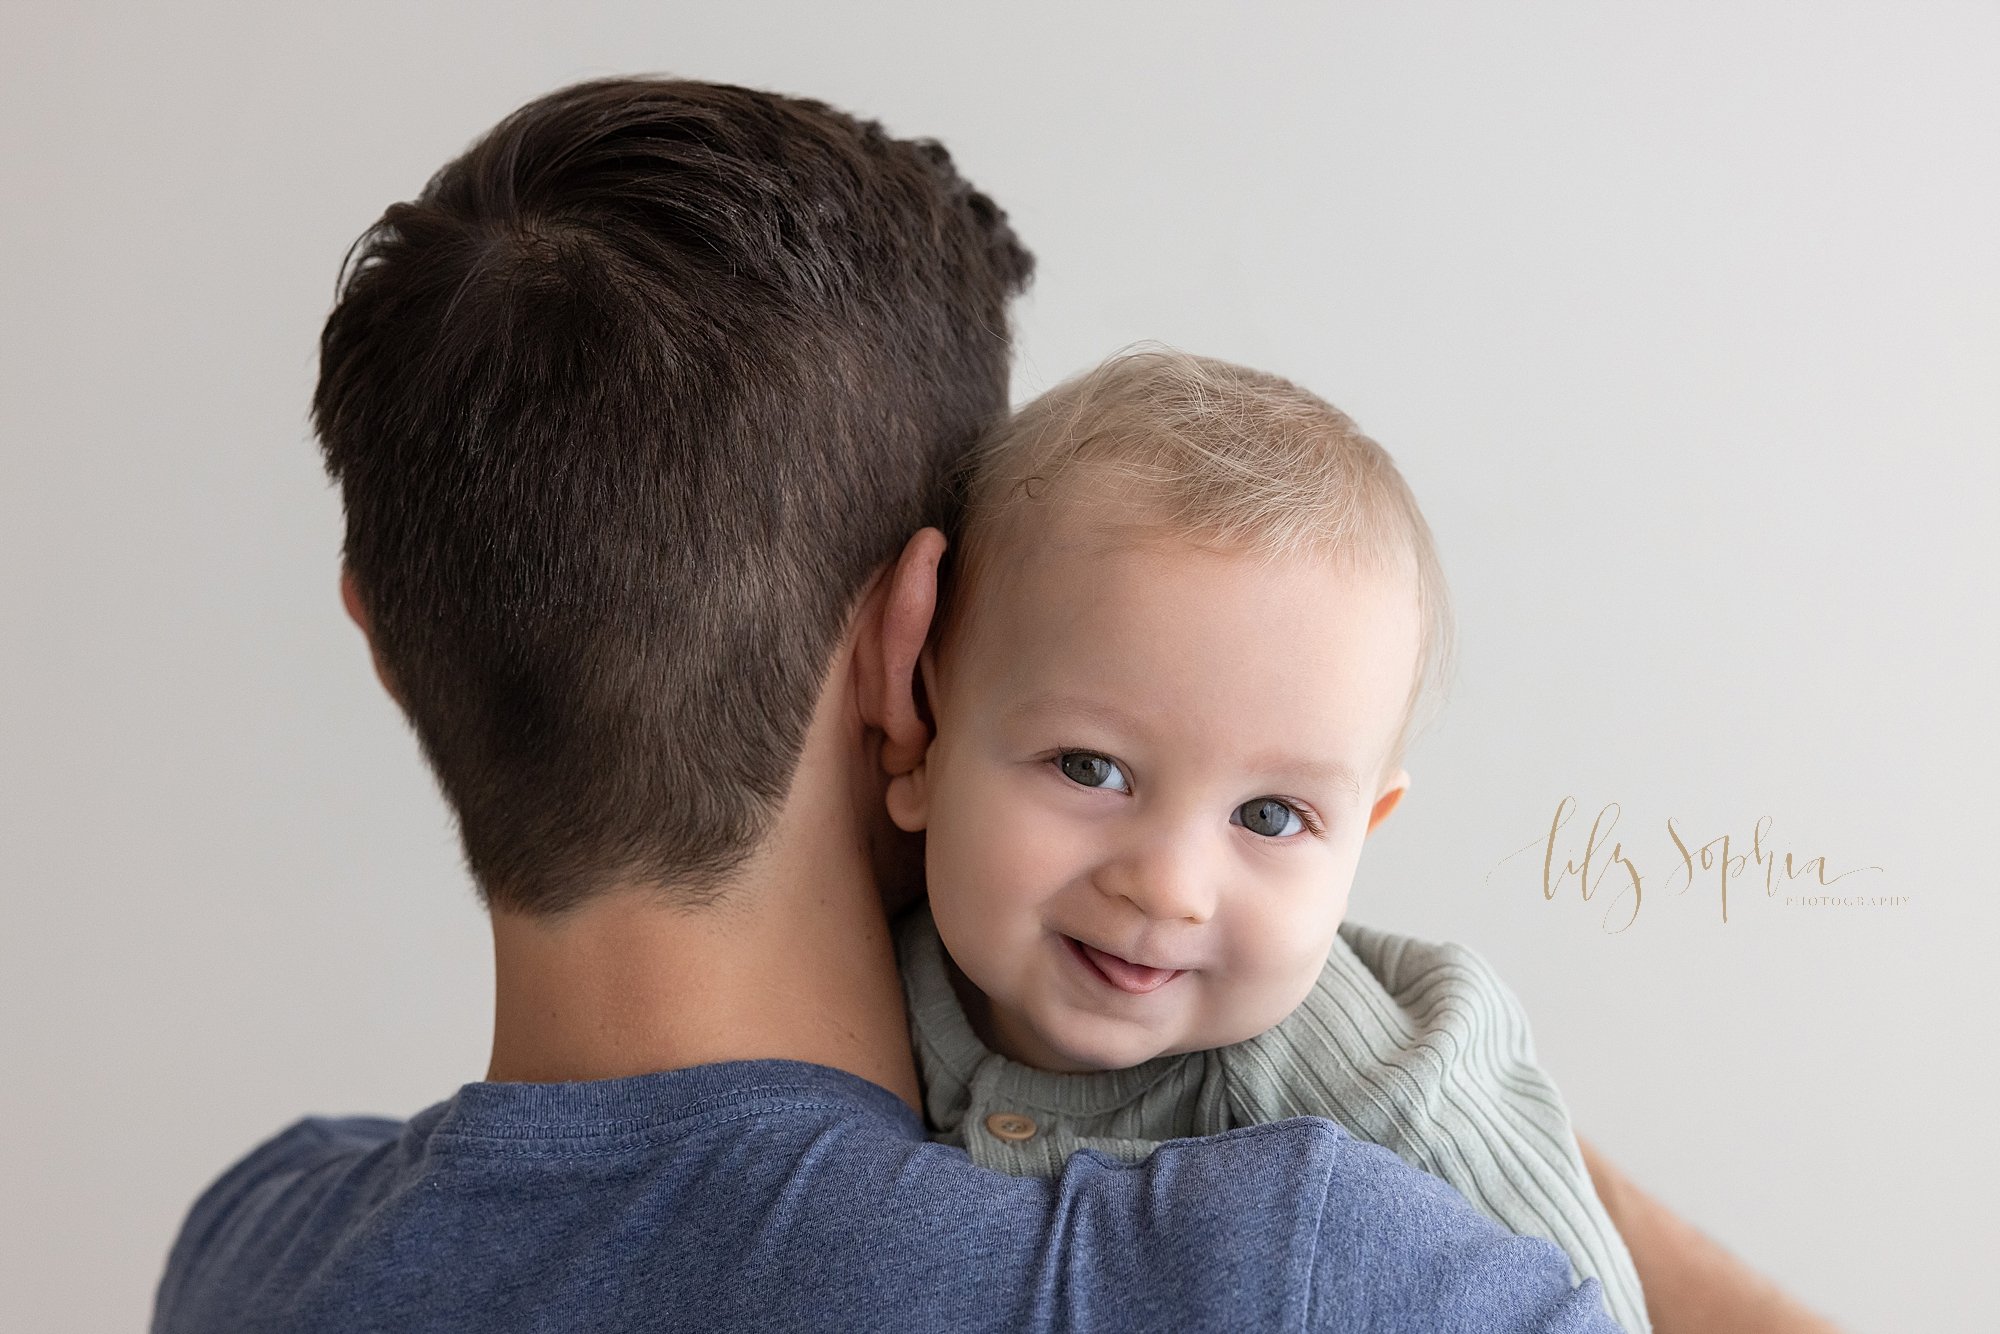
[765,1195]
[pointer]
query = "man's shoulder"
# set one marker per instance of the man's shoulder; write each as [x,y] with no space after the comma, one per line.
[767,1193]
[307,1143]
[237,1214]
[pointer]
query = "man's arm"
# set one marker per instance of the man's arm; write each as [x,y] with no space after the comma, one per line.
[1692,1285]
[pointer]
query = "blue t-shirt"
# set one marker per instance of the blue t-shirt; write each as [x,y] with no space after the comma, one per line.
[777,1195]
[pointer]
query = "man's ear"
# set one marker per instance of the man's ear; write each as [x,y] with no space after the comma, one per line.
[889,655]
[907,796]
[1392,797]
[357,611]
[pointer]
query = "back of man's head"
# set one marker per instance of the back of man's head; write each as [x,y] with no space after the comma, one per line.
[626,408]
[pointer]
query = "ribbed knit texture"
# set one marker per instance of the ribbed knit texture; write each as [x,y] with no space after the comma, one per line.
[1413,1045]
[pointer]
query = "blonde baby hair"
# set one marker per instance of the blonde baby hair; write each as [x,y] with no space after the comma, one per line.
[1222,454]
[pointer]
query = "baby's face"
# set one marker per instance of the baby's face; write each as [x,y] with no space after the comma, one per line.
[1153,770]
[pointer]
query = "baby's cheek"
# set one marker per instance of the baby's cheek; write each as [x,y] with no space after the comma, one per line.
[1279,955]
[1266,999]
[983,866]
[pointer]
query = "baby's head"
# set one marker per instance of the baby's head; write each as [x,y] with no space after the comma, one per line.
[1190,618]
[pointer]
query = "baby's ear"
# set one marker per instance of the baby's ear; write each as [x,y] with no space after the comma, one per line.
[1392,797]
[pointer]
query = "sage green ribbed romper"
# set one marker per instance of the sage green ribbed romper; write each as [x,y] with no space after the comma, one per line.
[1418,1047]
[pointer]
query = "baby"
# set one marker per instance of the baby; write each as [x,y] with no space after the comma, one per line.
[1189,622]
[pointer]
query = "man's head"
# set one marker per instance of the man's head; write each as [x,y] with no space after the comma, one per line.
[1191,613]
[626,409]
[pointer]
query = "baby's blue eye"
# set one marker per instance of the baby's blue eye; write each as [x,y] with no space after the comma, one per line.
[1268,816]
[1089,770]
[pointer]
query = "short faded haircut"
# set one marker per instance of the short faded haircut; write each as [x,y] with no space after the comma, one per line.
[1229,456]
[627,408]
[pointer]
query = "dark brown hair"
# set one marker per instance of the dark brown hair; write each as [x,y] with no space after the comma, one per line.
[626,408]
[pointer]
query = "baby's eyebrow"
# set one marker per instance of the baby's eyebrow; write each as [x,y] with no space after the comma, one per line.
[1320,773]
[1076,706]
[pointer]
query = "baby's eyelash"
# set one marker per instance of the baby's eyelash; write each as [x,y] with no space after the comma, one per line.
[1305,814]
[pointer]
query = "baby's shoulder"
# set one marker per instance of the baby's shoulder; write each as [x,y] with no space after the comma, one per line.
[1393,1031]
[1423,977]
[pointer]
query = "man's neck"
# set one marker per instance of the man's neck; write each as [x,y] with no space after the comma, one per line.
[794,962]
[627,987]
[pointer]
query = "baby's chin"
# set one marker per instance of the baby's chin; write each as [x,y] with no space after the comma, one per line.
[1087,1048]
[1072,1045]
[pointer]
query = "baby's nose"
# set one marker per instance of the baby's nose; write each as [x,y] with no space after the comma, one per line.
[1166,883]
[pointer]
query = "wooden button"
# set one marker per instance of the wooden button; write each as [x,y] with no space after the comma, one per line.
[1010,1126]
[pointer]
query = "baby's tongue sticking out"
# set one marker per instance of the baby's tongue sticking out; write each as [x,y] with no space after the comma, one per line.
[1126,975]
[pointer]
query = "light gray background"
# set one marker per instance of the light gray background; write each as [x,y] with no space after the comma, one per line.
[1682,320]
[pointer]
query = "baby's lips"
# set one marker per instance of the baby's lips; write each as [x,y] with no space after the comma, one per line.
[1136,978]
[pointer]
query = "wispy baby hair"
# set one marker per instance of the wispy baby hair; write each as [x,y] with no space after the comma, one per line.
[1222,454]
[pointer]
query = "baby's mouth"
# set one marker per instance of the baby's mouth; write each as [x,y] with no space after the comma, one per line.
[1135,978]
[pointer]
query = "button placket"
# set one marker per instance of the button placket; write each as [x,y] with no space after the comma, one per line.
[1013,1127]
